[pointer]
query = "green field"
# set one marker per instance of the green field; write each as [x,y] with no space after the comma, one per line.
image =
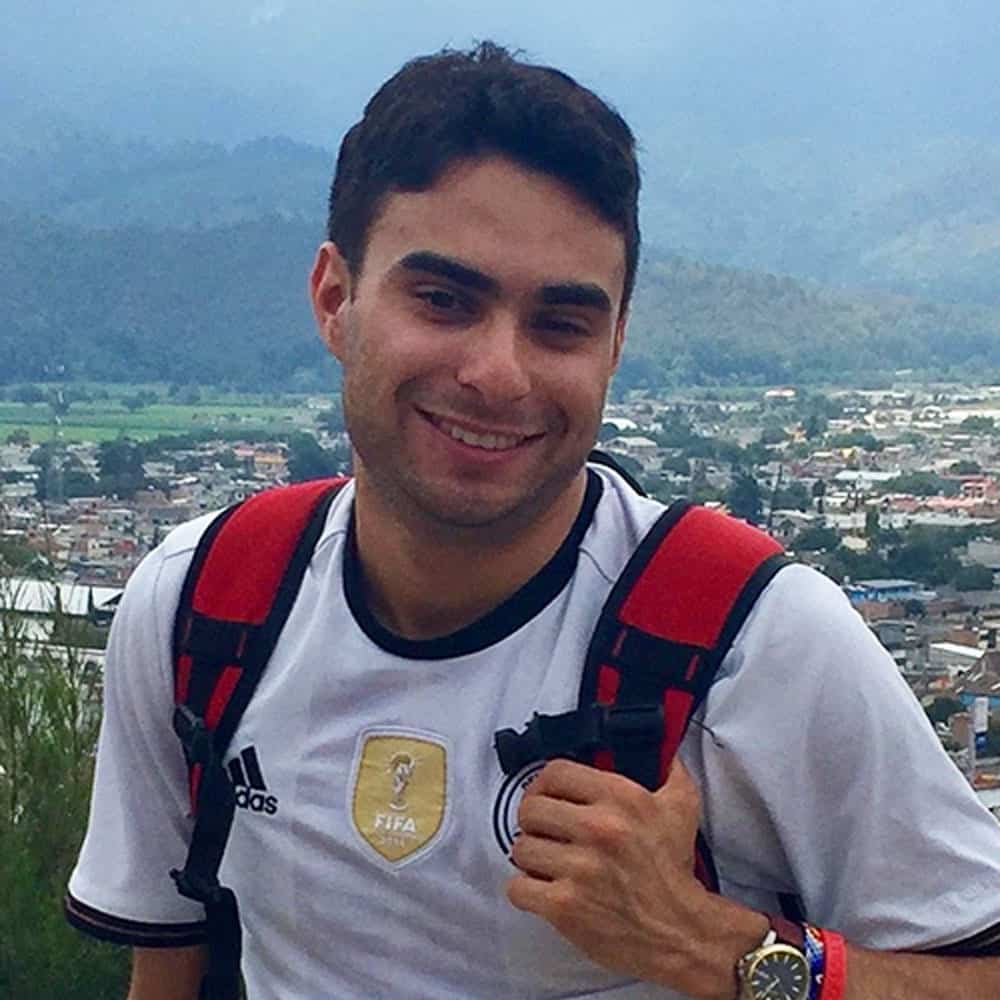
[106,419]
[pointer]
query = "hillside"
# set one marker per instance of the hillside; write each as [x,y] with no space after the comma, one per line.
[228,305]
[920,220]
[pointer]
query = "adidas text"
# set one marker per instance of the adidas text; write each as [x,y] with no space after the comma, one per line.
[258,802]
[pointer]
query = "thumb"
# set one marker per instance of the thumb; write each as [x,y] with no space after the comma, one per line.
[679,798]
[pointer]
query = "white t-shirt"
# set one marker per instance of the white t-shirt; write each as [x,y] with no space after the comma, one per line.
[369,852]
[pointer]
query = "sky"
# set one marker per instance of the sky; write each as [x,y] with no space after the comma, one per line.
[725,71]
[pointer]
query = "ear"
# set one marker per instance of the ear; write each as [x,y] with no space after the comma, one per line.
[330,294]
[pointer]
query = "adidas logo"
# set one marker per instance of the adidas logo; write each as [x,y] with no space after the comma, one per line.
[248,783]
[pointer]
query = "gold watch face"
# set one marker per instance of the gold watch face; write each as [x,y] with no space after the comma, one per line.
[778,972]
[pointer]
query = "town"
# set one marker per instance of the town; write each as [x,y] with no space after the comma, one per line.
[894,493]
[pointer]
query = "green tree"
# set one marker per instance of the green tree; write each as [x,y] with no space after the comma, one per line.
[48,730]
[331,420]
[965,467]
[873,527]
[773,435]
[922,484]
[974,578]
[27,394]
[978,425]
[927,554]
[942,708]
[794,496]
[307,459]
[743,498]
[19,436]
[120,469]
[817,539]
[677,464]
[814,426]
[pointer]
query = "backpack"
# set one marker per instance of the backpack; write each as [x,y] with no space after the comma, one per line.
[654,652]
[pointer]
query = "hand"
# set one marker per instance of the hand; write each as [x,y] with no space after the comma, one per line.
[610,866]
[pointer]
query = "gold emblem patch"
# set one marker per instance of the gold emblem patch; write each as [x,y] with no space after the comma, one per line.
[399,796]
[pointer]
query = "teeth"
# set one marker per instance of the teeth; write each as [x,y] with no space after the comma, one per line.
[491,442]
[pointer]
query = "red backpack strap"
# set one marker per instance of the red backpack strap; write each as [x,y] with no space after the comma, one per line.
[239,589]
[663,631]
[668,623]
[238,592]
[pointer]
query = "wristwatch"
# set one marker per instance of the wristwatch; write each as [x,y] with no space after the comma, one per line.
[777,969]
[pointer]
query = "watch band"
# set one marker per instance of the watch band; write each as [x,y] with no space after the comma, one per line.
[788,931]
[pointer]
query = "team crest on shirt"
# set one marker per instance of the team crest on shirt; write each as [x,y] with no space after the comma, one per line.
[399,793]
[508,801]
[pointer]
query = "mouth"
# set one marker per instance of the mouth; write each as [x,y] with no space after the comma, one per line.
[484,439]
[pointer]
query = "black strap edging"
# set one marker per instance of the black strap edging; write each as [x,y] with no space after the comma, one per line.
[598,457]
[737,616]
[199,878]
[608,626]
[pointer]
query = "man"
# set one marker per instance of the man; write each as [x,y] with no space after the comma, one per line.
[483,247]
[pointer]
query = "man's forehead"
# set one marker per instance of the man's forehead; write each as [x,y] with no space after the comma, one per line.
[495,216]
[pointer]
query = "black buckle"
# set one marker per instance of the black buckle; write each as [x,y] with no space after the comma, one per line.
[194,735]
[579,733]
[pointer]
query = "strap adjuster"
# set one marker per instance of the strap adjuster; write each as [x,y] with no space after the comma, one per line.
[579,733]
[194,735]
[196,887]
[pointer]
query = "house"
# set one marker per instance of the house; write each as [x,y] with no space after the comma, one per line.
[982,680]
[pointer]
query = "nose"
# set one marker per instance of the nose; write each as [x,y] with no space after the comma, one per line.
[494,363]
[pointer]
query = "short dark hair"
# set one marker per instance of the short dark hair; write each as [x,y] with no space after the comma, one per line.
[455,105]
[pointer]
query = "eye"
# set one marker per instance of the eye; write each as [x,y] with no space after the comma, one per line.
[441,300]
[561,325]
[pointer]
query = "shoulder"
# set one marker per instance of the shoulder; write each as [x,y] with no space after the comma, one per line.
[805,638]
[159,575]
[620,522]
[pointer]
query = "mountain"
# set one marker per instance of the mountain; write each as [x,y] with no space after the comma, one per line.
[224,305]
[227,305]
[919,220]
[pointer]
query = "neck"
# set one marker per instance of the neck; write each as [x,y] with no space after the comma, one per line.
[425,581]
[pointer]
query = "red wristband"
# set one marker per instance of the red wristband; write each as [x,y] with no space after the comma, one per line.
[834,967]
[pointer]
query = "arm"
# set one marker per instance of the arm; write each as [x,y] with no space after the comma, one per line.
[139,825]
[823,775]
[166,973]
[609,865]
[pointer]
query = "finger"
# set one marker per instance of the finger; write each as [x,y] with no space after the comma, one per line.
[579,783]
[556,819]
[547,859]
[533,895]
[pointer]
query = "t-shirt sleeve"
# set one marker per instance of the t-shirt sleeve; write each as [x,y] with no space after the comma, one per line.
[824,778]
[140,822]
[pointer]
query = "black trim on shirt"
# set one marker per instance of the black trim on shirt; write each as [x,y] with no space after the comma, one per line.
[117,930]
[497,624]
[983,944]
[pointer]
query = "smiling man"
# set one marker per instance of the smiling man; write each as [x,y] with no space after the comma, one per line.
[482,250]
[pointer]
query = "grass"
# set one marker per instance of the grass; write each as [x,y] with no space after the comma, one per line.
[104,420]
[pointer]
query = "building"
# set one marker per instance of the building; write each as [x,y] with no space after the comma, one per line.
[953,658]
[51,615]
[886,590]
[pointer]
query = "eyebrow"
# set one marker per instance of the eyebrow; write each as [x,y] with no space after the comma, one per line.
[566,293]
[571,293]
[446,267]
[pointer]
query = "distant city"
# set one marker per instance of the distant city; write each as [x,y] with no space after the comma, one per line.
[893,493]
